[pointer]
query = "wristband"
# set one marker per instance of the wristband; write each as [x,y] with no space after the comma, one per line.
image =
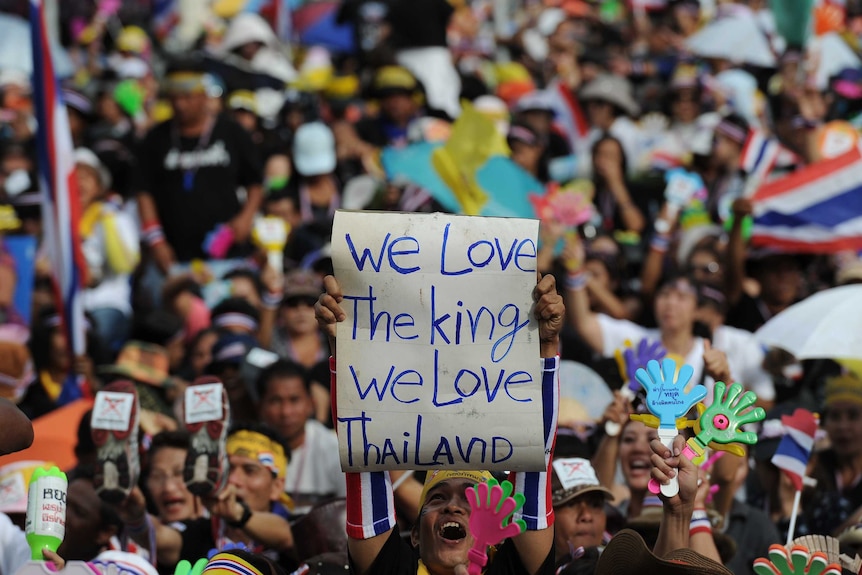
[246,515]
[700,522]
[271,300]
[576,281]
[153,234]
[659,243]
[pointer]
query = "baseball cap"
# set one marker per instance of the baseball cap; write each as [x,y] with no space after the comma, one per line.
[572,478]
[314,149]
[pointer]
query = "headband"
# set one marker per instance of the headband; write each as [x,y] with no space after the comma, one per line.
[732,131]
[235,319]
[185,83]
[259,447]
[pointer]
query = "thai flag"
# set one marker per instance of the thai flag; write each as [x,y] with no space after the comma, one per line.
[570,117]
[165,17]
[817,209]
[795,447]
[60,205]
[759,155]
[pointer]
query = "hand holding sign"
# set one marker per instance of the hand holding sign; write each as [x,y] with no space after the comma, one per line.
[799,561]
[491,509]
[668,400]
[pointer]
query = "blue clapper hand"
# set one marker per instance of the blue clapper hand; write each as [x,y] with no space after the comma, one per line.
[629,358]
[667,399]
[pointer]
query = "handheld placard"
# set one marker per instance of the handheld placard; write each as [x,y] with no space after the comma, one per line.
[667,399]
[719,425]
[270,233]
[491,509]
[45,525]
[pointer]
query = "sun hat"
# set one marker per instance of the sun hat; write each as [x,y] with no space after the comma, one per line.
[612,90]
[627,554]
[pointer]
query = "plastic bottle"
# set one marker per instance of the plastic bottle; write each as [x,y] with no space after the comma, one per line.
[46,511]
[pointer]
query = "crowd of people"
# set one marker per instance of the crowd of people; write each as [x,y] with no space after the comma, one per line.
[193,121]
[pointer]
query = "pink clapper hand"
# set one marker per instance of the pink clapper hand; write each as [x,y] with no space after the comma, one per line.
[491,509]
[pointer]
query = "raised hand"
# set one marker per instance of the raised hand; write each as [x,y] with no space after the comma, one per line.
[491,509]
[799,561]
[721,422]
[665,389]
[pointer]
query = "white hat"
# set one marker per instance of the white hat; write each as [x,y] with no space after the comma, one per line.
[86,157]
[314,149]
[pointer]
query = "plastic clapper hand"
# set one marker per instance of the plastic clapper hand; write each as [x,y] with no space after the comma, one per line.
[491,509]
[629,359]
[799,561]
[186,568]
[667,399]
[719,426]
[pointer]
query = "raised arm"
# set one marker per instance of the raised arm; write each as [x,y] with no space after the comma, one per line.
[577,301]
[735,273]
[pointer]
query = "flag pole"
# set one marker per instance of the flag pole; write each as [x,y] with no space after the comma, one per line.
[796,499]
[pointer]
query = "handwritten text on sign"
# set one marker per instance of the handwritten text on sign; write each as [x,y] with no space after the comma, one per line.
[438,359]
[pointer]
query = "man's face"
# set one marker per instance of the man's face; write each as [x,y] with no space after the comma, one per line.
[255,484]
[442,533]
[580,522]
[398,107]
[286,407]
[189,108]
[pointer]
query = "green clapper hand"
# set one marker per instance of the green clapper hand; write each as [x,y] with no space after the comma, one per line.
[799,561]
[491,510]
[719,424]
[186,568]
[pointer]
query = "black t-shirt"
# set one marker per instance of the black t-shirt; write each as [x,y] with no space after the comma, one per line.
[194,181]
[399,558]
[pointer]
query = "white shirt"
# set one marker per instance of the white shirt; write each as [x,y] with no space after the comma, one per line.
[745,356]
[113,290]
[14,551]
[315,468]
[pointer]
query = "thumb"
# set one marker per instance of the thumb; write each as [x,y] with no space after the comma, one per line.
[707,346]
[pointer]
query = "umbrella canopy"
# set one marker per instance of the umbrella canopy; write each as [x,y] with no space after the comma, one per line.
[826,325]
[733,38]
[832,54]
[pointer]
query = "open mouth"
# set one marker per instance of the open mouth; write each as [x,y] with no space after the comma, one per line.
[452,531]
[173,504]
[640,465]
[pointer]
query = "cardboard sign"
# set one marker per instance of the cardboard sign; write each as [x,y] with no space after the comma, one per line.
[438,359]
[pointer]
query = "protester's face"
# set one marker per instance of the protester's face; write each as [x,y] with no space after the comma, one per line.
[189,108]
[246,119]
[398,107]
[608,153]
[600,114]
[89,187]
[705,267]
[580,522]
[526,156]
[248,51]
[685,107]
[201,354]
[538,120]
[635,454]
[843,424]
[286,407]
[675,306]
[108,109]
[598,272]
[165,484]
[298,315]
[780,282]
[442,533]
[285,209]
[84,534]
[254,483]
[725,152]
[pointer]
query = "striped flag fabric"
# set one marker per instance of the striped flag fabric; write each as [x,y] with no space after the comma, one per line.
[570,117]
[793,451]
[59,188]
[817,209]
[759,154]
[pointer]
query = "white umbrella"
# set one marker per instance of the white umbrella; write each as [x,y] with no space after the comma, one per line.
[579,382]
[826,325]
[733,38]
[832,54]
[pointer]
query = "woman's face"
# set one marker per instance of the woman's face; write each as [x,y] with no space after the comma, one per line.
[843,424]
[298,315]
[165,484]
[201,354]
[675,307]
[635,454]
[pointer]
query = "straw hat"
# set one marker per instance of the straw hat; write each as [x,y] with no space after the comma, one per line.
[627,554]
